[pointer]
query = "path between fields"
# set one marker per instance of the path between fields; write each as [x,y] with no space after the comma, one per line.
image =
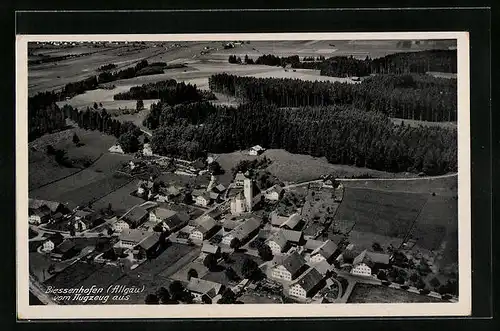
[373,179]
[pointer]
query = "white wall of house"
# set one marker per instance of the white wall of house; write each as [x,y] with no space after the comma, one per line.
[34,219]
[275,248]
[297,291]
[120,226]
[280,272]
[201,201]
[196,235]
[48,246]
[272,196]
[361,270]
[317,258]
[227,239]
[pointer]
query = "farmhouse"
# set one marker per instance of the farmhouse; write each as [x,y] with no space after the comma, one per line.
[312,244]
[278,243]
[160,214]
[368,263]
[277,220]
[150,245]
[40,211]
[307,285]
[256,150]
[120,225]
[136,216]
[176,222]
[147,150]
[206,228]
[66,250]
[116,149]
[210,249]
[201,198]
[293,222]
[219,188]
[243,232]
[290,267]
[132,237]
[204,290]
[274,193]
[326,252]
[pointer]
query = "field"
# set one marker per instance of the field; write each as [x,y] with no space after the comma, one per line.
[386,213]
[416,123]
[43,168]
[365,293]
[121,200]
[296,168]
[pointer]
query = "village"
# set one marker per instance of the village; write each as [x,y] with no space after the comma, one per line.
[235,243]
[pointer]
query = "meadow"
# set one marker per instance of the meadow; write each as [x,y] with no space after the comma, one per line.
[366,293]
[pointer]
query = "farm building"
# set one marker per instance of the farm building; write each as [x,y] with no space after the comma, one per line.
[256,150]
[368,263]
[326,252]
[204,290]
[150,245]
[274,193]
[307,285]
[116,149]
[120,225]
[277,220]
[293,222]
[176,222]
[290,267]
[130,238]
[160,214]
[66,250]
[243,232]
[40,211]
[210,249]
[136,216]
[201,198]
[205,228]
[312,244]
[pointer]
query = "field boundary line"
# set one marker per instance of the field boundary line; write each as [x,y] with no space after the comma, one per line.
[72,174]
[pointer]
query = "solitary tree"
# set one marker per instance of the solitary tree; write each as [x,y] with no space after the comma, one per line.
[210,261]
[265,252]
[139,105]
[129,142]
[76,139]
[192,273]
[95,105]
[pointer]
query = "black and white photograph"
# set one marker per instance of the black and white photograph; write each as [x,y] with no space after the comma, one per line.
[249,172]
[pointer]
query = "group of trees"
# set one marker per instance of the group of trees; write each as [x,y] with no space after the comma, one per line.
[417,97]
[342,134]
[107,67]
[127,132]
[345,66]
[46,119]
[168,91]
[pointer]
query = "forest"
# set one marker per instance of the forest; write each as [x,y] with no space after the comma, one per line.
[348,66]
[342,134]
[168,91]
[413,96]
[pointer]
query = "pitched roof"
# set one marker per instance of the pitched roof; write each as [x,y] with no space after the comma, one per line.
[278,220]
[82,213]
[163,213]
[293,236]
[279,238]
[230,224]
[209,248]
[178,219]
[136,214]
[370,258]
[293,262]
[220,188]
[312,244]
[257,148]
[326,249]
[292,221]
[309,279]
[239,176]
[37,203]
[322,266]
[65,246]
[275,188]
[202,286]
[244,229]
[150,241]
[134,235]
[197,193]
[213,195]
[205,223]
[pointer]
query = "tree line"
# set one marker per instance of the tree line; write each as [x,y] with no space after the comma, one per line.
[168,91]
[342,134]
[346,66]
[417,97]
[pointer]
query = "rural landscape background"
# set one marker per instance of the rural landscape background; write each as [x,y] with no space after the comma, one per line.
[345,145]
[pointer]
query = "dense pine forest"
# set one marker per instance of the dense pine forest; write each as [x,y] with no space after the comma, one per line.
[169,91]
[342,134]
[343,66]
[418,97]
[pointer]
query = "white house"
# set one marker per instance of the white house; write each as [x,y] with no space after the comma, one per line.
[278,243]
[147,150]
[204,290]
[289,268]
[160,214]
[307,285]
[202,200]
[274,193]
[205,228]
[34,219]
[48,246]
[256,150]
[366,263]
[116,149]
[120,225]
[325,252]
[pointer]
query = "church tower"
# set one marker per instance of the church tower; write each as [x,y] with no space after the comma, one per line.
[248,192]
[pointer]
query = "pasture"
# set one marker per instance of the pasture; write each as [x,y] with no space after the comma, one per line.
[366,293]
[385,213]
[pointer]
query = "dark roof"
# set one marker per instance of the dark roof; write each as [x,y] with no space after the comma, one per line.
[310,279]
[134,235]
[326,250]
[150,241]
[293,262]
[279,238]
[163,213]
[312,244]
[243,230]
[205,223]
[136,214]
[66,246]
[202,286]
